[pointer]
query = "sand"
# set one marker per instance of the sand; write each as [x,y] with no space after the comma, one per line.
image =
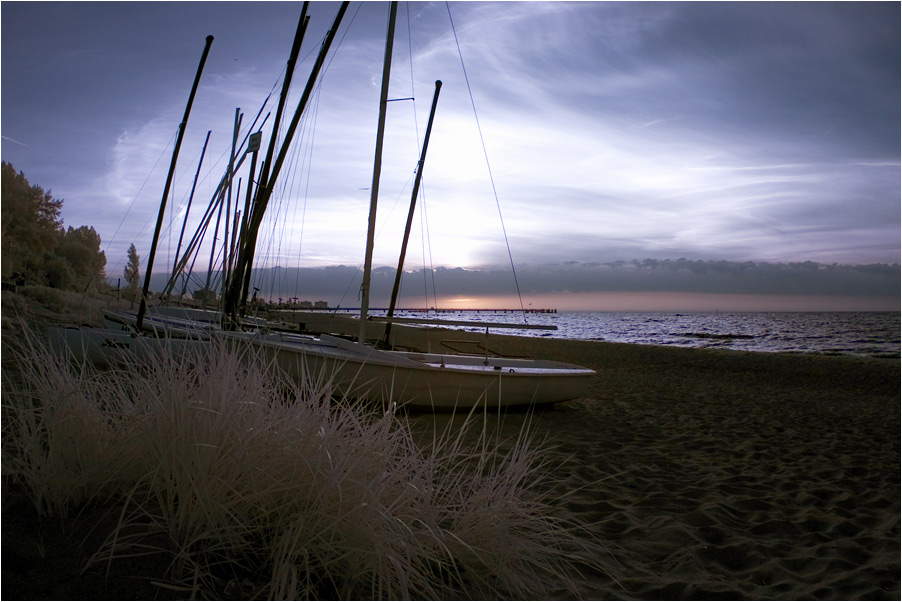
[707,474]
[714,474]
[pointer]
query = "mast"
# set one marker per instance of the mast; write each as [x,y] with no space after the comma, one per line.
[227,247]
[178,249]
[413,203]
[254,147]
[220,205]
[377,170]
[205,220]
[175,155]
[246,244]
[263,194]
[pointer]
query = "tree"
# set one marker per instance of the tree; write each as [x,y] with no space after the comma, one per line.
[31,227]
[205,296]
[131,274]
[80,255]
[36,248]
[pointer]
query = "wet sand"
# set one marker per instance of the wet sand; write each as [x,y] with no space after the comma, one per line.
[713,474]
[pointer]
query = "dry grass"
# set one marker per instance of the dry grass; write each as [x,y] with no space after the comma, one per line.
[260,488]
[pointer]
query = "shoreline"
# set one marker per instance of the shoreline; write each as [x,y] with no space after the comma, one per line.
[757,336]
[706,473]
[714,473]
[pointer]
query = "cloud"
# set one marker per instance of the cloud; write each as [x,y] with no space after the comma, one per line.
[339,284]
[711,131]
[14,141]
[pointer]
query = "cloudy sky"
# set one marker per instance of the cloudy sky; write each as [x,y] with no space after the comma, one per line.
[602,132]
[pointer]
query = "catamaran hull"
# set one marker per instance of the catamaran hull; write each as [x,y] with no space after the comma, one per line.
[107,347]
[427,381]
[420,380]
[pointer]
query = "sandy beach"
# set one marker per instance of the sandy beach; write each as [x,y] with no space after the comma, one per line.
[707,474]
[717,474]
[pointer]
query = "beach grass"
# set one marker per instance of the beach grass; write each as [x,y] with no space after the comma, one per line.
[251,486]
[707,474]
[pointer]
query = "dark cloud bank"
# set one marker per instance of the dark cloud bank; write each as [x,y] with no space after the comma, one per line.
[648,275]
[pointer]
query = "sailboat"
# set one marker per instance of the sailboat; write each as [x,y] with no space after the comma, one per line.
[438,381]
[358,369]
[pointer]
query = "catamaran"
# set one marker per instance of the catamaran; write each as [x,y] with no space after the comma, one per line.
[351,368]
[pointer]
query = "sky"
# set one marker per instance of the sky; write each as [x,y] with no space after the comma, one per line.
[566,134]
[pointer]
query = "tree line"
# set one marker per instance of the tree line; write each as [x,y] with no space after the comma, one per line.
[37,249]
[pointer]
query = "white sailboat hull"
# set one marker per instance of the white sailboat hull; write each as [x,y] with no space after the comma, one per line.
[422,380]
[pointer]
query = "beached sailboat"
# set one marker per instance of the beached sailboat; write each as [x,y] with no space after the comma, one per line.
[119,343]
[359,369]
[354,369]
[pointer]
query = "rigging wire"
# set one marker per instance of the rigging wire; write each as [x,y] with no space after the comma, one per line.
[261,262]
[138,194]
[488,165]
[309,162]
[131,205]
[425,240]
[302,163]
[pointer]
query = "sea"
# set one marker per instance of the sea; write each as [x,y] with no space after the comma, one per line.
[865,334]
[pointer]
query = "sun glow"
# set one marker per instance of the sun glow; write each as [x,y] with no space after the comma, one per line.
[664,301]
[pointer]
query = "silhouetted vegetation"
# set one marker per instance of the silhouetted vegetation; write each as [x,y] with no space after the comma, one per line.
[37,248]
[132,274]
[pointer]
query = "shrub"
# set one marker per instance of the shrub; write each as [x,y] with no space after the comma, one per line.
[237,473]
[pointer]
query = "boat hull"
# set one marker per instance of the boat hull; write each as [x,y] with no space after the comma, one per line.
[347,369]
[427,381]
[109,347]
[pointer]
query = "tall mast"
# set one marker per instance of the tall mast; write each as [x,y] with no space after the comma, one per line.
[270,171]
[178,249]
[227,246]
[175,155]
[231,294]
[413,203]
[377,171]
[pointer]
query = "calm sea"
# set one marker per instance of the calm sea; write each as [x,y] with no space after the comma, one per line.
[874,334]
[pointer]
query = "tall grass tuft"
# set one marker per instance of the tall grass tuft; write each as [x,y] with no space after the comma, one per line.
[243,477]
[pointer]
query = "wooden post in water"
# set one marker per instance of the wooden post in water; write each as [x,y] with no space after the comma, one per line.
[175,155]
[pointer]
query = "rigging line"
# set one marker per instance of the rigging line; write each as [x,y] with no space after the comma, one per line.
[291,186]
[326,67]
[488,166]
[338,43]
[300,179]
[382,224]
[134,200]
[424,223]
[271,217]
[309,162]
[319,83]
[176,208]
[317,93]
[262,261]
[428,246]
[277,220]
